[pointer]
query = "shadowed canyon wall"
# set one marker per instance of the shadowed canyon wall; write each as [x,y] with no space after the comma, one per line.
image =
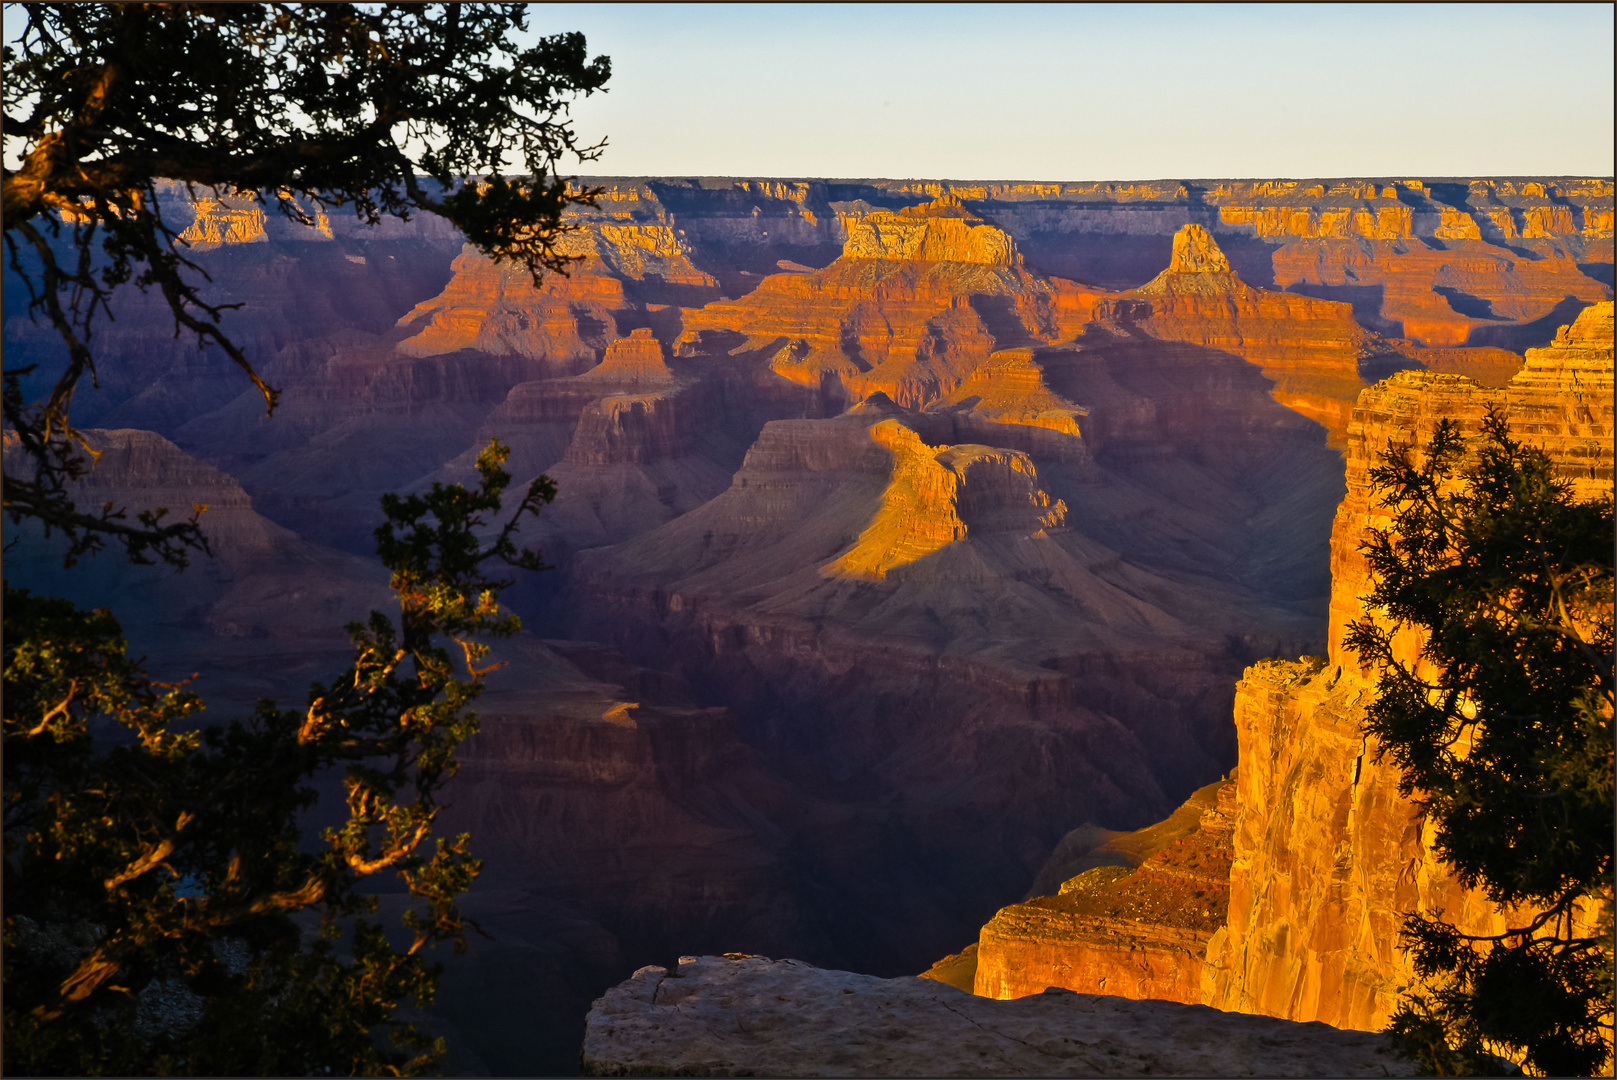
[903,527]
[1292,877]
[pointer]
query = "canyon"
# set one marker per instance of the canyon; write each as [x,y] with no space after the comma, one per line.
[905,530]
[1279,891]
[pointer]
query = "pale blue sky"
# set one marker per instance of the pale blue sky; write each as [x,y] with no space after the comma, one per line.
[1105,91]
[1095,91]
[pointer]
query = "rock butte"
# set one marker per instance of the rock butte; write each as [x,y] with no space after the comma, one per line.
[904,528]
[1309,842]
[1311,348]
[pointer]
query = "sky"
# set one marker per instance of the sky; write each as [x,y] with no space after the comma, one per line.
[1093,91]
[1097,91]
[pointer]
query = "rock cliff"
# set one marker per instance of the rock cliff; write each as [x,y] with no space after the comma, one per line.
[1135,932]
[942,231]
[832,596]
[1327,854]
[227,217]
[918,299]
[496,309]
[887,726]
[1458,290]
[1298,877]
[934,492]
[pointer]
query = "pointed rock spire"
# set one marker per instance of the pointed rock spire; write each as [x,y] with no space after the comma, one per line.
[1196,252]
[1197,268]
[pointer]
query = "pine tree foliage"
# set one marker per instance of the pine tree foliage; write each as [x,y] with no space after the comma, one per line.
[153,867]
[165,912]
[379,109]
[1503,732]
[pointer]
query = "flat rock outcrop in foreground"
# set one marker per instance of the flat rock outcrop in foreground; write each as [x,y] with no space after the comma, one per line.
[748,1016]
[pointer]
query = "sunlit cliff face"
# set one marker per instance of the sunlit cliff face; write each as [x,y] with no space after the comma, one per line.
[1315,853]
[903,528]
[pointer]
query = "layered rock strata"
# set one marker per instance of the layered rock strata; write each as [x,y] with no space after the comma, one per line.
[1311,348]
[496,309]
[738,1015]
[1325,855]
[1461,291]
[1138,932]
[1193,537]
[1328,855]
[1487,261]
[833,598]
[919,298]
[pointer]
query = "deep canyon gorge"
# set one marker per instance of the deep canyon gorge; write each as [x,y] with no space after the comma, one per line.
[917,545]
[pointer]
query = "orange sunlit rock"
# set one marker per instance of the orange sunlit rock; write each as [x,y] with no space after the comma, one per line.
[918,299]
[495,308]
[934,492]
[1328,855]
[1325,854]
[1311,348]
[1137,932]
[226,221]
[1445,296]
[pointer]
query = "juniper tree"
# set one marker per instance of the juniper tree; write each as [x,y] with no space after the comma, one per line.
[153,867]
[382,110]
[1503,732]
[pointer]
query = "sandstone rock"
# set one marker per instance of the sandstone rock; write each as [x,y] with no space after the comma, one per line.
[737,227]
[1089,846]
[742,1015]
[1136,932]
[958,970]
[1327,853]
[229,218]
[942,761]
[226,221]
[1487,365]
[1194,252]
[633,363]
[1109,233]
[642,251]
[934,492]
[1011,388]
[941,231]
[917,300]
[1311,348]
[837,591]
[496,309]
[1463,291]
[1560,400]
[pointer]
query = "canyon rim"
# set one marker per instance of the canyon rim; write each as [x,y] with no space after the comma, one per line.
[917,543]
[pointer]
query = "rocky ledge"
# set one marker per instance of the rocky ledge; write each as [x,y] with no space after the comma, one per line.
[737,1015]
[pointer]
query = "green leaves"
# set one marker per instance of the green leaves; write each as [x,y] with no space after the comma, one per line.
[1503,731]
[147,859]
